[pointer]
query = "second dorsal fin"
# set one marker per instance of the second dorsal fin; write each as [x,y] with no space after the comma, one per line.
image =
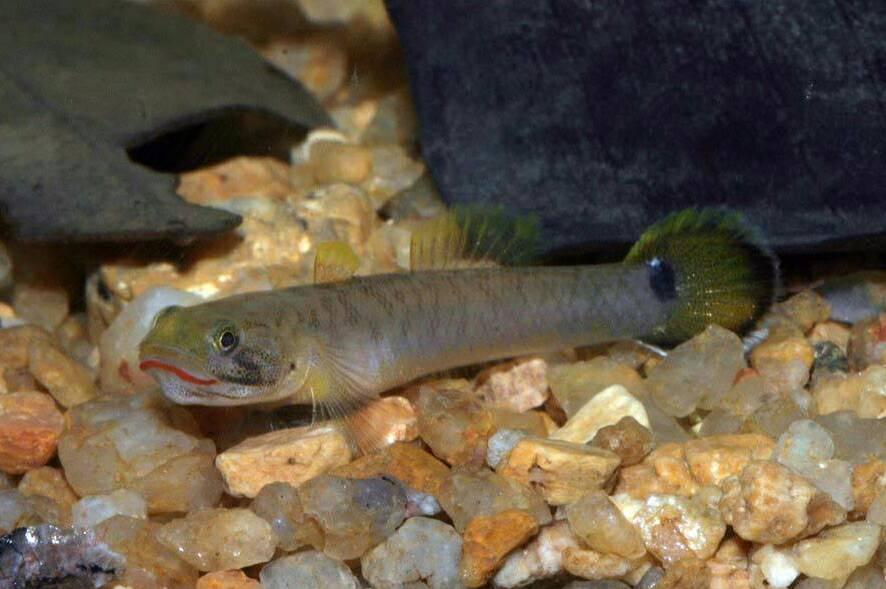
[335,261]
[473,236]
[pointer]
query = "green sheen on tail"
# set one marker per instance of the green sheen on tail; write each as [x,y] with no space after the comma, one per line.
[721,272]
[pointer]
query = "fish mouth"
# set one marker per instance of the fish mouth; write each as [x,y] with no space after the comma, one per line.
[180,373]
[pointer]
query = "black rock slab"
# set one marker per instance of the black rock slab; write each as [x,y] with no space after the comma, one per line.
[80,82]
[602,116]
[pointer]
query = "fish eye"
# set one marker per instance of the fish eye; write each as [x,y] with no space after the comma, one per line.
[226,340]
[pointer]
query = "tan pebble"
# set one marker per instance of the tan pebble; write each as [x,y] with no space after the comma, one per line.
[590,564]
[290,456]
[539,559]
[838,551]
[30,427]
[863,393]
[149,564]
[531,422]
[602,527]
[575,384]
[868,481]
[627,438]
[15,343]
[340,162]
[867,343]
[339,212]
[454,423]
[687,573]
[219,539]
[385,422]
[47,481]
[489,539]
[264,177]
[714,458]
[227,580]
[562,471]
[766,503]
[319,62]
[20,380]
[805,309]
[69,382]
[406,462]
[830,331]
[605,408]
[729,567]
[823,512]
[784,363]
[518,386]
[41,299]
[675,528]
[663,472]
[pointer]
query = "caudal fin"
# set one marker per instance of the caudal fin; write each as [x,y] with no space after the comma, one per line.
[714,265]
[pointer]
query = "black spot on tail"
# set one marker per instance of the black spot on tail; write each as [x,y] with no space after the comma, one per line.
[662,280]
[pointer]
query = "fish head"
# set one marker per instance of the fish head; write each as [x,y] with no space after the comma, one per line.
[212,354]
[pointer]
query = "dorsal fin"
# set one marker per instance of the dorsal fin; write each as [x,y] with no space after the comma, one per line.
[473,236]
[335,261]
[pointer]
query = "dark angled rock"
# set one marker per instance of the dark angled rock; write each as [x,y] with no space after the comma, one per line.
[602,116]
[81,82]
[48,557]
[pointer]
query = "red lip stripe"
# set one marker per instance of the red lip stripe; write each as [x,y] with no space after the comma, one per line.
[185,376]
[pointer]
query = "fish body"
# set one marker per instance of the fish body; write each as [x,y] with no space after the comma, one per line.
[339,344]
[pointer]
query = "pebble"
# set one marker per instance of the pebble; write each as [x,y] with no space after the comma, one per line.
[18,510]
[602,526]
[605,408]
[338,212]
[805,309]
[729,567]
[69,382]
[391,419]
[562,471]
[30,427]
[664,471]
[291,455]
[307,570]
[590,564]
[541,558]
[747,395]
[714,458]
[500,445]
[334,161]
[143,444]
[405,462]
[836,552]
[40,292]
[629,440]
[421,550]
[316,61]
[785,364]
[49,482]
[831,332]
[393,170]
[868,480]
[674,528]
[95,509]
[774,418]
[876,513]
[487,540]
[777,565]
[855,439]
[15,342]
[469,493]
[217,539]
[807,448]
[149,564]
[279,505]
[454,424]
[395,121]
[867,343]
[697,373]
[118,344]
[863,392]
[227,580]
[719,422]
[518,386]
[354,515]
[573,385]
[766,503]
